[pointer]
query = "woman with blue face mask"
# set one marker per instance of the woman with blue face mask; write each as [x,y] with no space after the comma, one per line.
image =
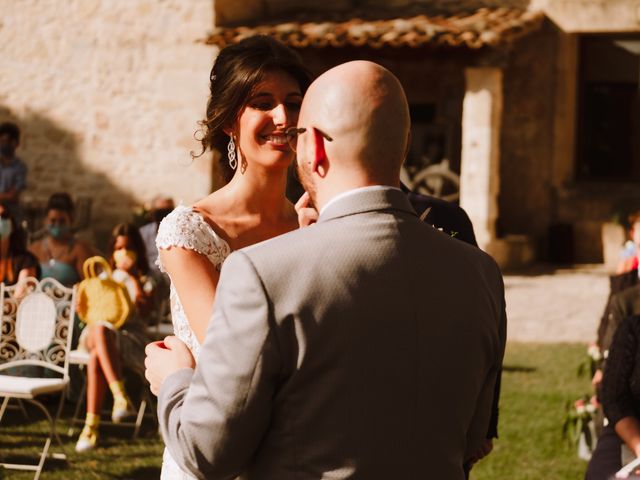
[16,263]
[60,254]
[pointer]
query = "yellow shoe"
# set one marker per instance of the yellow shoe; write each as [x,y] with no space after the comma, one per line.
[87,440]
[122,409]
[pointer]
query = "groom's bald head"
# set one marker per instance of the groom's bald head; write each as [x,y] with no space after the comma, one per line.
[363,108]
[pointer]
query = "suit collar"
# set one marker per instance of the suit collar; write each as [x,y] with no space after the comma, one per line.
[367,200]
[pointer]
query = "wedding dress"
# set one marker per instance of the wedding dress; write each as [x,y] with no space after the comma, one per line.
[186,228]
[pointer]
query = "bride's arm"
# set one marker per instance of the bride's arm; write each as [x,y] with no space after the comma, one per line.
[195,279]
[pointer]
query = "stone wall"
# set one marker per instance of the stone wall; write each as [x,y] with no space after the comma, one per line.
[592,15]
[108,95]
[526,156]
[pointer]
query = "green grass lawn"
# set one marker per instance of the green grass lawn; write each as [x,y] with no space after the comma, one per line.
[537,382]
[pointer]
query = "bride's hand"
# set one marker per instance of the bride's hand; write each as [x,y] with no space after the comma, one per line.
[307,214]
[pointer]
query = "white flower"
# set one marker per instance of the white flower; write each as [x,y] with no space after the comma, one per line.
[594,352]
[591,408]
[581,409]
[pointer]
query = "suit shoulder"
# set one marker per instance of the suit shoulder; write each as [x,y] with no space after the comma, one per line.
[286,242]
[476,258]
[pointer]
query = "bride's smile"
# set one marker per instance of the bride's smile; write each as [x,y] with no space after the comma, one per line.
[272,108]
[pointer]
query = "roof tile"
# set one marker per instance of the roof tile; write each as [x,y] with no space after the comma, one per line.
[472,29]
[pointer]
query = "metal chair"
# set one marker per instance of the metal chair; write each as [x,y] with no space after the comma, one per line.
[36,330]
[160,325]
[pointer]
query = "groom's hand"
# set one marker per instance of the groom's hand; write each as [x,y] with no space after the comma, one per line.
[164,359]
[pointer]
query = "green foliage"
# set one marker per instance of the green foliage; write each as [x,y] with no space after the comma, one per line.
[579,417]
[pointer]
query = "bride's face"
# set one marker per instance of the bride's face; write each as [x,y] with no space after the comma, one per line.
[273,106]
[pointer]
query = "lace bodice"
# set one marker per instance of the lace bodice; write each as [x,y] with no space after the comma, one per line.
[187,229]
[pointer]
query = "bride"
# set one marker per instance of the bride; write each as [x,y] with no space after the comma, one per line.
[256,92]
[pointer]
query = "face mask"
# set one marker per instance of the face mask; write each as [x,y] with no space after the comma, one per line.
[6,151]
[58,231]
[5,227]
[124,259]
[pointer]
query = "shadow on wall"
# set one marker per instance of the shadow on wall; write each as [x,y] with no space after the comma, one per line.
[52,155]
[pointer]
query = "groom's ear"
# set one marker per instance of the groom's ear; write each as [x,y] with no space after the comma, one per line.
[320,161]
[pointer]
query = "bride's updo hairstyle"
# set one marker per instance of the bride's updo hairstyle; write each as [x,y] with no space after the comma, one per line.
[237,70]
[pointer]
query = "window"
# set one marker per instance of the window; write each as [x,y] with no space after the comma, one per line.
[609,108]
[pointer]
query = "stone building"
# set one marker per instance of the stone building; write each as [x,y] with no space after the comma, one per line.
[108,96]
[534,104]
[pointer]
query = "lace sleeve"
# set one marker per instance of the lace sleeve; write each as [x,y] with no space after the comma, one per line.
[185,228]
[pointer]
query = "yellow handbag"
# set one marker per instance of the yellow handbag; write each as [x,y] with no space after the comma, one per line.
[102,299]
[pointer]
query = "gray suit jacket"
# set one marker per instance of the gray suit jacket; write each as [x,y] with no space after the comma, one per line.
[327,358]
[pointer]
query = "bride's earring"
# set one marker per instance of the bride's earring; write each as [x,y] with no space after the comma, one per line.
[231,153]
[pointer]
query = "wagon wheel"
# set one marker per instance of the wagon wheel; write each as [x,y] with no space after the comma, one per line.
[439,181]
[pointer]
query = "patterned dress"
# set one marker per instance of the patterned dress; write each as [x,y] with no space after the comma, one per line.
[185,228]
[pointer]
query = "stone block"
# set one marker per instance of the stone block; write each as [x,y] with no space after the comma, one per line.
[512,252]
[589,16]
[479,173]
[613,238]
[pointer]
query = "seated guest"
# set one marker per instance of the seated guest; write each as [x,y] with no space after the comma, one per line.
[622,305]
[620,398]
[16,263]
[630,252]
[130,265]
[161,206]
[109,347]
[60,254]
[623,295]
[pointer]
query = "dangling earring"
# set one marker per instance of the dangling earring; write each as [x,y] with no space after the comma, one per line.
[231,153]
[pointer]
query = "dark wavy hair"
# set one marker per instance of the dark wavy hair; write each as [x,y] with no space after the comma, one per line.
[61,201]
[135,243]
[237,70]
[10,129]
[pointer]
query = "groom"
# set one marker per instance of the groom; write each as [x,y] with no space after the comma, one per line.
[324,357]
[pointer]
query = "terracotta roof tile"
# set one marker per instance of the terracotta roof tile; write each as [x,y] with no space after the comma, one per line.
[474,29]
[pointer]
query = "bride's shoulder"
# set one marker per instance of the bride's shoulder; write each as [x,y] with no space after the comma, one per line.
[182,214]
[186,227]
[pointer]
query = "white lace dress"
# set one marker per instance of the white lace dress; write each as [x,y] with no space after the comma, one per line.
[185,228]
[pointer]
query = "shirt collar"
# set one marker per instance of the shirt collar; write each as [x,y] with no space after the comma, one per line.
[355,191]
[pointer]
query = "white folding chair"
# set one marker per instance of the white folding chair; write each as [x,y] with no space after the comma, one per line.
[36,330]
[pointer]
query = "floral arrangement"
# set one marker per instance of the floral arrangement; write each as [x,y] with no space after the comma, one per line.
[579,422]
